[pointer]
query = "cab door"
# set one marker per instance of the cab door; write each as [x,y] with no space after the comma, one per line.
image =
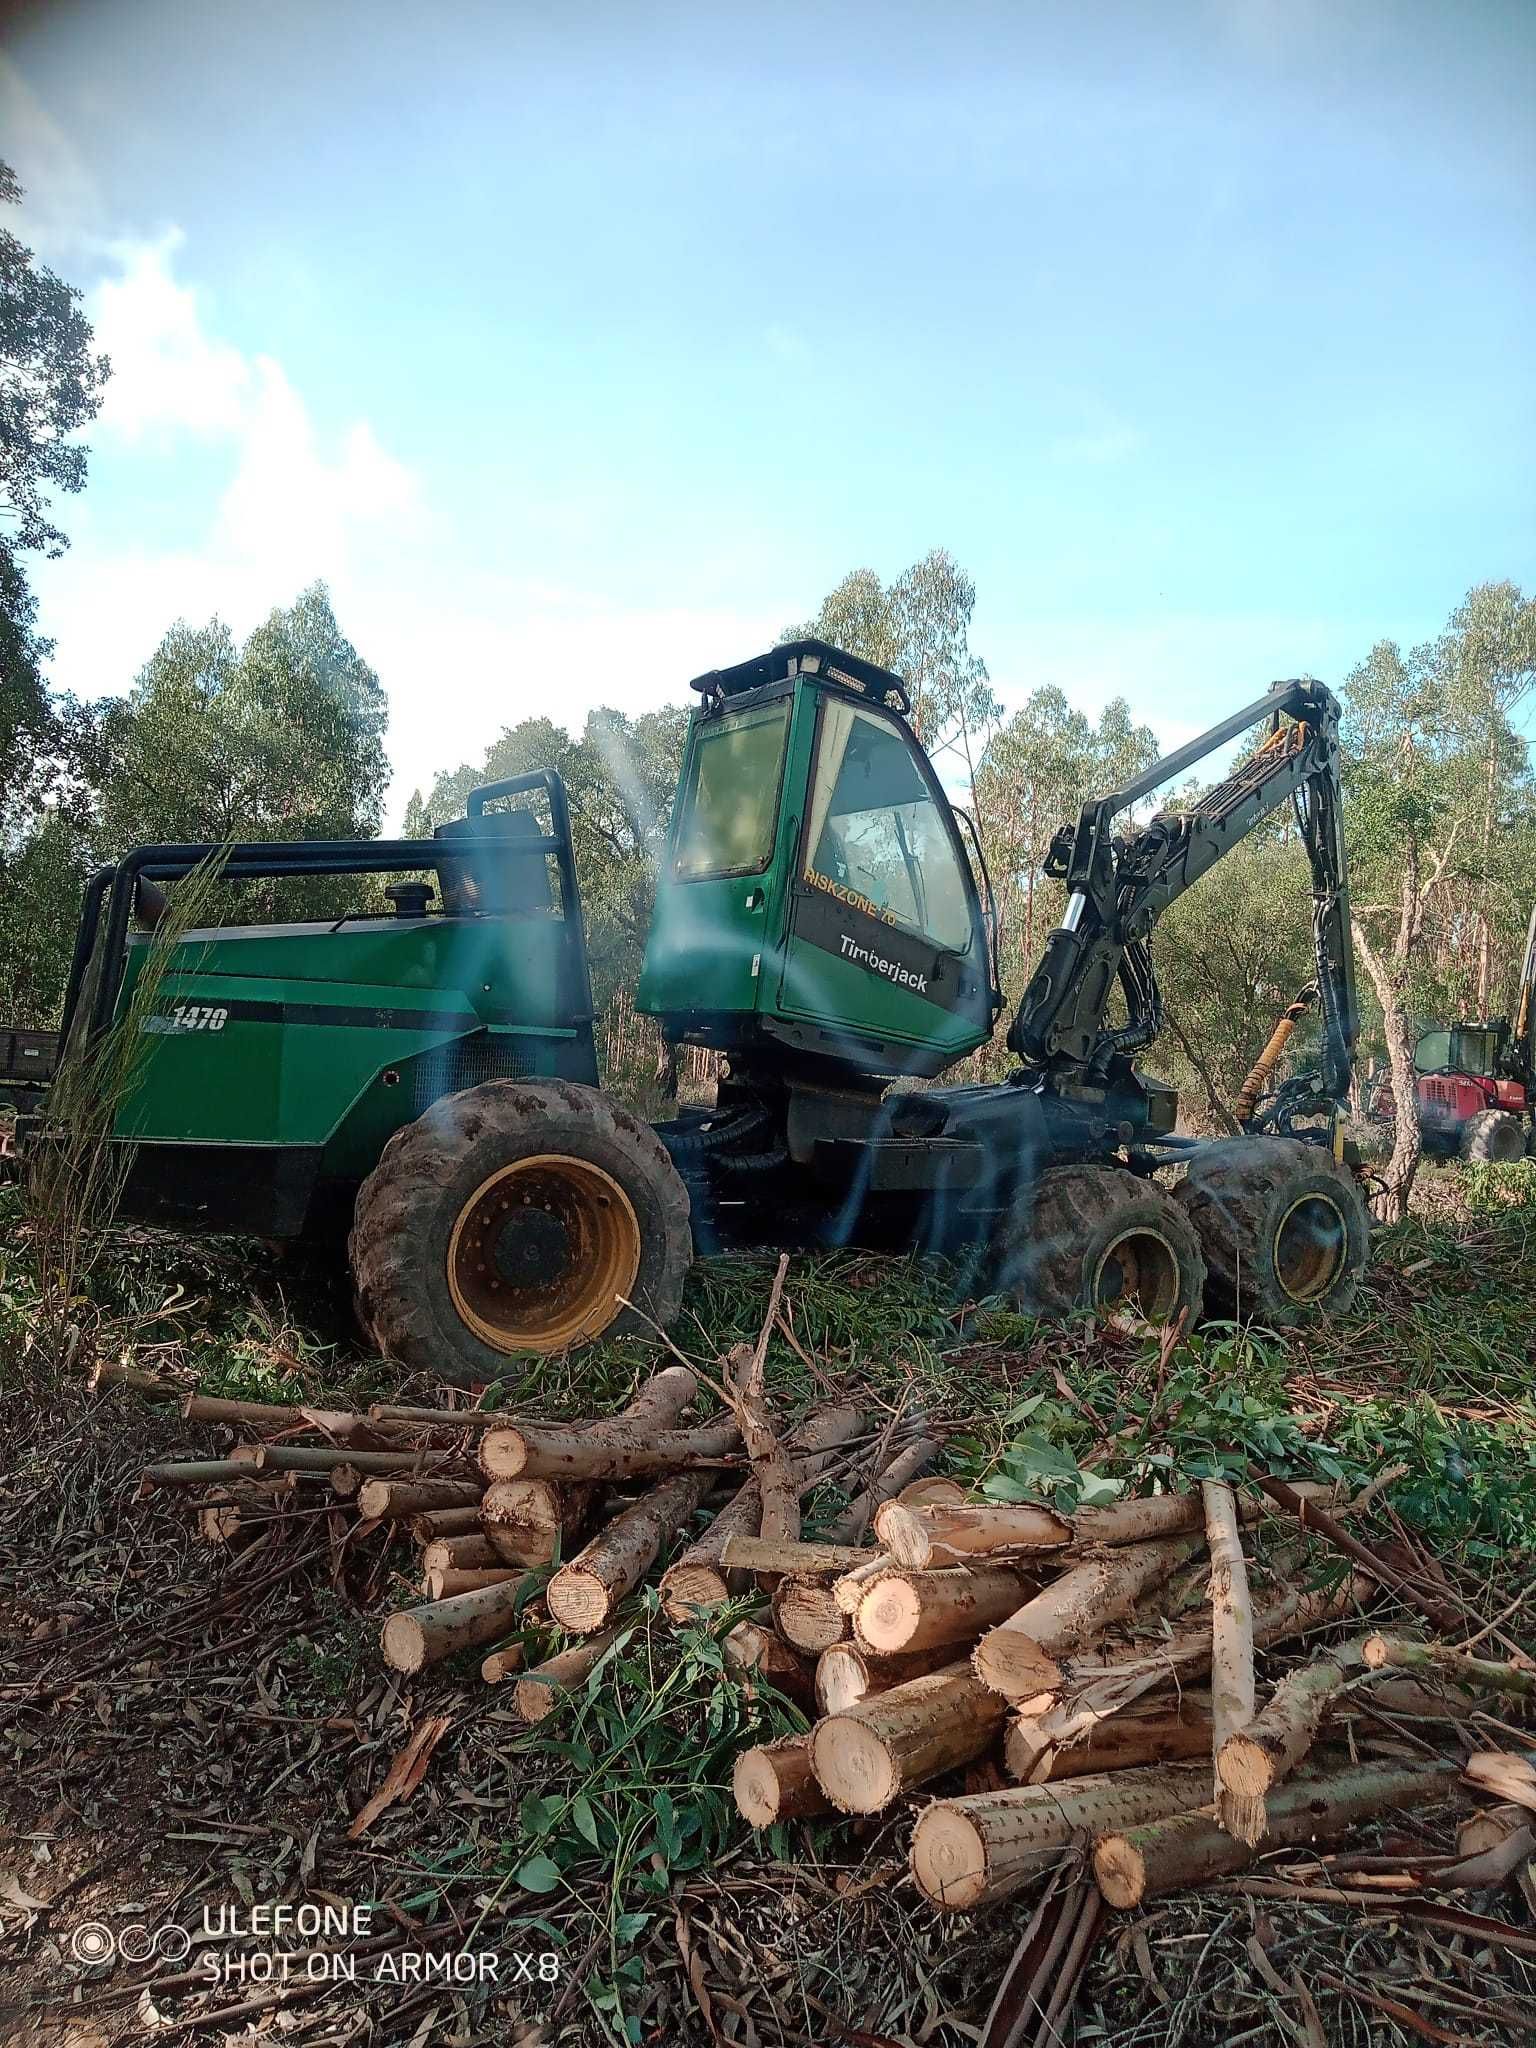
[885,950]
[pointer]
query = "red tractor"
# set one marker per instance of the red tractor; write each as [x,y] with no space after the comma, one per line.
[1477,1082]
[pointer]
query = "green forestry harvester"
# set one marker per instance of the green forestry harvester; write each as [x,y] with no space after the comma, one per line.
[427,1082]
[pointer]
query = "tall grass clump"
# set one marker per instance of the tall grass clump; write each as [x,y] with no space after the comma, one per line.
[75,1169]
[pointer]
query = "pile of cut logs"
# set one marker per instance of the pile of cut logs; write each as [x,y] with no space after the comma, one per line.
[1017,1643]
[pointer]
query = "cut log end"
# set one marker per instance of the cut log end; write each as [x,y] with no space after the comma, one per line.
[690,1590]
[405,1643]
[1120,1871]
[808,1616]
[1013,1664]
[578,1599]
[853,1765]
[503,1453]
[904,1536]
[888,1615]
[1247,1770]
[949,1858]
[775,1783]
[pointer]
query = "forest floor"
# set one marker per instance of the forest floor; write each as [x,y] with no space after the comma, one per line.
[186,1734]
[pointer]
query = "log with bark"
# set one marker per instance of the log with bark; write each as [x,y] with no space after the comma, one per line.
[1233,1692]
[806,1614]
[400,1500]
[435,1523]
[976,1850]
[775,1782]
[443,1581]
[210,1408]
[870,1755]
[502,1663]
[329,1457]
[440,1420]
[541,1690]
[103,1375]
[845,1674]
[425,1635]
[914,1610]
[193,1472]
[460,1553]
[753,1651]
[615,1448]
[530,1521]
[922,1537]
[782,1554]
[1170,1855]
[583,1594]
[1148,1732]
[1253,1759]
[773,1468]
[1019,1658]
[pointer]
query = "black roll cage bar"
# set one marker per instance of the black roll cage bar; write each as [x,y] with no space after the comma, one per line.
[260,860]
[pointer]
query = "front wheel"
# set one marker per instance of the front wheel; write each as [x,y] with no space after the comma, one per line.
[1284,1229]
[517,1217]
[1096,1237]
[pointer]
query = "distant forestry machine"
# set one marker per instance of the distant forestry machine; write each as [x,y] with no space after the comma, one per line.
[1476,1084]
[427,1080]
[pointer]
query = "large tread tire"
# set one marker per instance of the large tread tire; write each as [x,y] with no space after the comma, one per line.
[1285,1228]
[1097,1237]
[1493,1136]
[429,1173]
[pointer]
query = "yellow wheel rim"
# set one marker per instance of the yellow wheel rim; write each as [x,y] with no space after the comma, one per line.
[541,1252]
[1139,1270]
[1311,1246]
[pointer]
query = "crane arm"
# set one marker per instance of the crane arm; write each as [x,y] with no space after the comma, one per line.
[1119,887]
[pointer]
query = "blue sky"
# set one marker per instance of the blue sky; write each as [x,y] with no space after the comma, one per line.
[583,347]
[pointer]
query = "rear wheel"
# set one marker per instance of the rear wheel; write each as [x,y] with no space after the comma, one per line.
[1493,1134]
[1284,1229]
[1097,1237]
[512,1218]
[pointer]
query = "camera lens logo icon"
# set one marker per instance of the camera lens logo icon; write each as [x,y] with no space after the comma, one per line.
[93,1943]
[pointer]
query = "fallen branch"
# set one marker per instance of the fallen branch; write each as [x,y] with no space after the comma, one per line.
[1312,1516]
[1232,1683]
[777,1554]
[852,1525]
[1473,1674]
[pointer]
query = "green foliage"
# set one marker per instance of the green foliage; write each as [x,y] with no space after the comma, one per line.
[918,627]
[1490,1187]
[281,738]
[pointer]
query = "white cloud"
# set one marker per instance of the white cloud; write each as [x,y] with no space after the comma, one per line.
[168,373]
[460,651]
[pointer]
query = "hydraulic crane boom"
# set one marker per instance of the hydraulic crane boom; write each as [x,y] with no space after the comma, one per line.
[1119,887]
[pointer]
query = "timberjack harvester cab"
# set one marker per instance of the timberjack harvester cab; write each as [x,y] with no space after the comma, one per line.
[1477,1082]
[818,921]
[429,1076]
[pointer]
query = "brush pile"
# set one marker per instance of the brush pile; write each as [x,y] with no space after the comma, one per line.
[1093,1672]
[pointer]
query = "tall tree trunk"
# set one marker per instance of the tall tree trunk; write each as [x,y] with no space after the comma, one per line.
[1408,1139]
[1484,921]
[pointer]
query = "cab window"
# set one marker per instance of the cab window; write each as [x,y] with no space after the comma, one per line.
[875,829]
[730,806]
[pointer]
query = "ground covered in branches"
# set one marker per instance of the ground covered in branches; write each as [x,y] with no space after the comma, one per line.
[186,1732]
